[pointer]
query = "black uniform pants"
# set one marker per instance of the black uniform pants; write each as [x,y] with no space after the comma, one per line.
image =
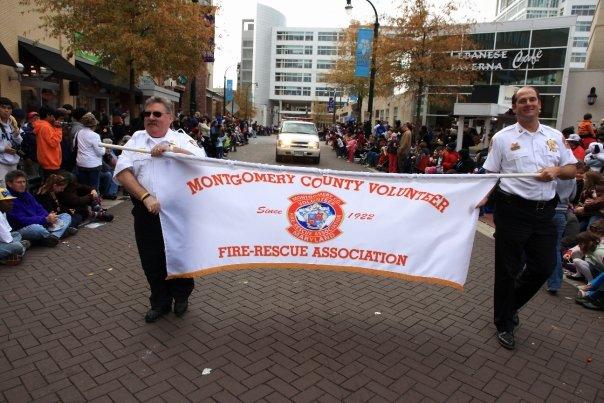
[150,243]
[525,253]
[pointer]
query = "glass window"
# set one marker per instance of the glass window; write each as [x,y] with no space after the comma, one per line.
[293,50]
[248,44]
[504,77]
[294,77]
[247,53]
[578,57]
[583,10]
[294,36]
[512,40]
[545,38]
[550,58]
[246,64]
[481,41]
[580,42]
[440,104]
[330,36]
[325,64]
[327,92]
[583,26]
[544,77]
[327,50]
[549,106]
[297,91]
[293,63]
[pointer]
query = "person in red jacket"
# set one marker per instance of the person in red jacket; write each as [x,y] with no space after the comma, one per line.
[450,157]
[574,142]
[49,133]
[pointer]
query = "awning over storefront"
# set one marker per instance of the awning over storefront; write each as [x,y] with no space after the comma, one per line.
[54,61]
[5,57]
[150,89]
[105,78]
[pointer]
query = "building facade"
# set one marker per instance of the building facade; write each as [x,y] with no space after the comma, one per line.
[509,54]
[300,58]
[584,10]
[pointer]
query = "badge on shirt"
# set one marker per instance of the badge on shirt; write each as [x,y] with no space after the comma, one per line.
[515,146]
[552,145]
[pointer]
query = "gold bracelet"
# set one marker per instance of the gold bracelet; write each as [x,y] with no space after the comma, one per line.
[144,196]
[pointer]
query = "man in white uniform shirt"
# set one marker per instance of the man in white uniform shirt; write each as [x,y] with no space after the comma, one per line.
[135,172]
[525,239]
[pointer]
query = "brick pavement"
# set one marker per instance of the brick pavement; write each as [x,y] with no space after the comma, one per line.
[72,330]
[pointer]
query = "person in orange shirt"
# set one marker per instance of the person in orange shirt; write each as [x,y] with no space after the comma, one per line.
[574,142]
[49,133]
[586,131]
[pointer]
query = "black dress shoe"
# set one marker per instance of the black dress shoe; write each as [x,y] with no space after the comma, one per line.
[180,307]
[153,315]
[506,339]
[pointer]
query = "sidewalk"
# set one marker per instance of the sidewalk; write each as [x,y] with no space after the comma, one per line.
[72,329]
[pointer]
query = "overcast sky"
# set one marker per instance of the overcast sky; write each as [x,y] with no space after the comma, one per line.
[312,13]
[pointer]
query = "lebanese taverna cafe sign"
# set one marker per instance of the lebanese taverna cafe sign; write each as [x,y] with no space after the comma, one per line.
[489,60]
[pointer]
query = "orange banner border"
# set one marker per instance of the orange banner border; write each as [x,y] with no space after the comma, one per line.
[303,266]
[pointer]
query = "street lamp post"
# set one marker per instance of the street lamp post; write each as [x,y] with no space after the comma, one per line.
[376,27]
[224,91]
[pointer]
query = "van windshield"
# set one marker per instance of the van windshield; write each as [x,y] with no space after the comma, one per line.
[294,127]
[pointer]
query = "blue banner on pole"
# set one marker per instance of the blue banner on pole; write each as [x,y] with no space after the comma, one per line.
[331,105]
[363,52]
[229,90]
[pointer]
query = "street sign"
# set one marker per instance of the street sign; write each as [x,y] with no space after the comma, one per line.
[229,90]
[331,104]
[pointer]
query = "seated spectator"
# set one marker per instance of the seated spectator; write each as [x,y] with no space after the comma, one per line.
[351,148]
[594,158]
[83,199]
[435,165]
[574,142]
[48,196]
[591,202]
[450,157]
[30,219]
[465,165]
[422,159]
[592,263]
[591,295]
[12,247]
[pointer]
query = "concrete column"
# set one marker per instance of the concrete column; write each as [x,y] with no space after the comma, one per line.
[460,120]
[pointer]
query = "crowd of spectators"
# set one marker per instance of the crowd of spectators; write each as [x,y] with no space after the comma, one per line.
[53,175]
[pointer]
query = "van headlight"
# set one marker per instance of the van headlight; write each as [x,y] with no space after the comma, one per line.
[314,144]
[285,143]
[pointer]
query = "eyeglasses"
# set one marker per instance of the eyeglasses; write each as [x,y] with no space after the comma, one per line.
[156,114]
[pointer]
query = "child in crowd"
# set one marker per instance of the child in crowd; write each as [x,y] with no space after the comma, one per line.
[351,148]
[592,263]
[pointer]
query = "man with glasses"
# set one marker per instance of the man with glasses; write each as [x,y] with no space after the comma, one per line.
[11,139]
[135,172]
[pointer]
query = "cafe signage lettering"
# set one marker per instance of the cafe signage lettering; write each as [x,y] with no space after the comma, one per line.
[487,60]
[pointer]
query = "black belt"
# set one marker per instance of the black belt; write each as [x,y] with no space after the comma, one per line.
[524,203]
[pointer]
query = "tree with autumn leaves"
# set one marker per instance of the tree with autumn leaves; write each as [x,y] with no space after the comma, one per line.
[422,48]
[417,50]
[163,38]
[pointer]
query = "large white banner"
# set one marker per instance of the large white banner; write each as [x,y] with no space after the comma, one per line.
[220,215]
